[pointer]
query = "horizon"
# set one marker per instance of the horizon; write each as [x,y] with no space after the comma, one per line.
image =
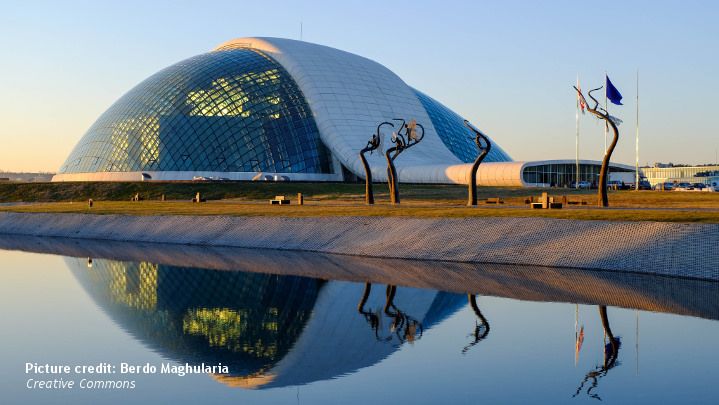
[474,58]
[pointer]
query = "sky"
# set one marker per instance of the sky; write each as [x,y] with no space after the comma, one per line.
[506,66]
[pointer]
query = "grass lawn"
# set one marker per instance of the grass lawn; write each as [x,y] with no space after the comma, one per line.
[342,199]
[326,209]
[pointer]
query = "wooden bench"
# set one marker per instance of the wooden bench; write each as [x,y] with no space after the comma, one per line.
[494,200]
[279,200]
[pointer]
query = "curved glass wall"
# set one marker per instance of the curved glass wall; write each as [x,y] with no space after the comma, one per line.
[564,174]
[233,110]
[456,137]
[247,321]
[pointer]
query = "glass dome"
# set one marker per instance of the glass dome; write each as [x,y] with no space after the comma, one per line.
[232,110]
[456,137]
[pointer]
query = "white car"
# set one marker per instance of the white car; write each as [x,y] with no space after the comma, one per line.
[582,184]
[684,187]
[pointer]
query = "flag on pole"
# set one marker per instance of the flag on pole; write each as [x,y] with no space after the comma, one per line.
[612,93]
[580,100]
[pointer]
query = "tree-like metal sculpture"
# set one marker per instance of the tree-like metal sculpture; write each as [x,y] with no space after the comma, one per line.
[372,145]
[404,138]
[479,139]
[601,113]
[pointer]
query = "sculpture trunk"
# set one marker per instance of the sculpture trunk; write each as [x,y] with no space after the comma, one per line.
[473,177]
[483,152]
[603,198]
[368,193]
[392,177]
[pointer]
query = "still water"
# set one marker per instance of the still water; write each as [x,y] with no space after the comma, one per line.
[306,328]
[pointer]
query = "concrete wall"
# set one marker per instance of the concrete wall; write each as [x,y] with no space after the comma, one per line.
[688,250]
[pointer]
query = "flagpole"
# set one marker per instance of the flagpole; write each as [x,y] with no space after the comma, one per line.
[606,108]
[636,163]
[576,143]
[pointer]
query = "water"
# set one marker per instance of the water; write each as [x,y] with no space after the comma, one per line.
[288,327]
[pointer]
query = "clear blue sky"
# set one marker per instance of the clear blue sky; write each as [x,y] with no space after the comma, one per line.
[507,66]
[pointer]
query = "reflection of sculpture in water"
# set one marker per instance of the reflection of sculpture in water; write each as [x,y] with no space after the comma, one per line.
[403,326]
[481,327]
[371,317]
[611,353]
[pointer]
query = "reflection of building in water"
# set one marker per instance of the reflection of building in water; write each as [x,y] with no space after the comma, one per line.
[269,330]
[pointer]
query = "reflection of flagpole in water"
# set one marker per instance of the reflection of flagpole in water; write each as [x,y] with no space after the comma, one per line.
[636,345]
[578,335]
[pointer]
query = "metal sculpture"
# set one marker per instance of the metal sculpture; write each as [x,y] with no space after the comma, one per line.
[403,141]
[372,145]
[479,137]
[601,113]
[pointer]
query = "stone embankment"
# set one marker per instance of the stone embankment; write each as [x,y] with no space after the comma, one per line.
[672,249]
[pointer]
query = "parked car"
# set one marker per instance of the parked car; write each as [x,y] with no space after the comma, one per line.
[684,187]
[200,178]
[664,186]
[582,184]
[715,186]
[617,185]
[645,185]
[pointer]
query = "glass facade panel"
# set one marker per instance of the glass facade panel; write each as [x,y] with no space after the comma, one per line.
[232,110]
[564,174]
[456,137]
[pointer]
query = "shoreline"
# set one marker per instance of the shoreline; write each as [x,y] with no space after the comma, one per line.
[672,249]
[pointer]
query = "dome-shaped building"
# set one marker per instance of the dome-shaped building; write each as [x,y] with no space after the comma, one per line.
[257,107]
[271,108]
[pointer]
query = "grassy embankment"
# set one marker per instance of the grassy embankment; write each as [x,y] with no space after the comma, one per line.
[244,199]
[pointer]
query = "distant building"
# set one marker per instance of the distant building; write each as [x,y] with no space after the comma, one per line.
[271,108]
[680,174]
[25,177]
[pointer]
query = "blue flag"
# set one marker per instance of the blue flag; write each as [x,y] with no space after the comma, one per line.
[612,93]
